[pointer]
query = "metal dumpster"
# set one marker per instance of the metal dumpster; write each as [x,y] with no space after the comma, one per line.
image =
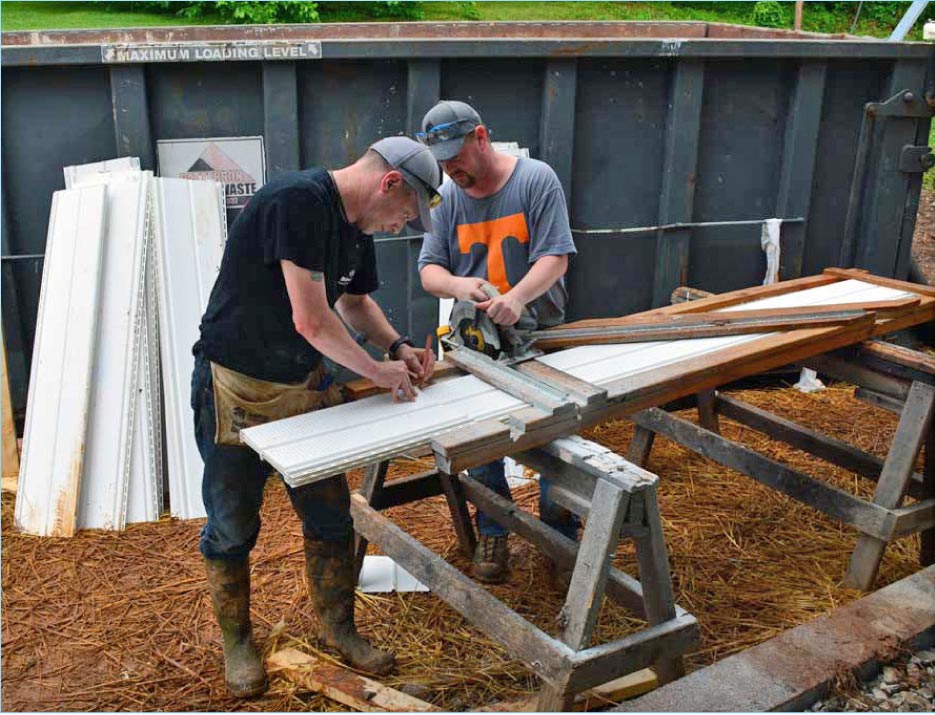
[673,141]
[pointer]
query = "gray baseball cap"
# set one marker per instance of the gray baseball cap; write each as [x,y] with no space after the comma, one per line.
[445,126]
[419,169]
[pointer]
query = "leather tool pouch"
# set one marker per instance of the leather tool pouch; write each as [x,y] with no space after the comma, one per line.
[241,401]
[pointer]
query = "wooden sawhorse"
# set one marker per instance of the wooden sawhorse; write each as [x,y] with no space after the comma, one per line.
[617,499]
[898,379]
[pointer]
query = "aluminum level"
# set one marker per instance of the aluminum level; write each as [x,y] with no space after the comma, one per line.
[673,141]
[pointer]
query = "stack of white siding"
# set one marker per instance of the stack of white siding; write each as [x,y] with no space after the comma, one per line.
[119,258]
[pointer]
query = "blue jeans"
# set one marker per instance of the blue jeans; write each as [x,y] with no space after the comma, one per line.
[232,488]
[492,476]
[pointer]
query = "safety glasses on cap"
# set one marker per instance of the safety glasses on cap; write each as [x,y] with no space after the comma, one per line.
[435,198]
[444,132]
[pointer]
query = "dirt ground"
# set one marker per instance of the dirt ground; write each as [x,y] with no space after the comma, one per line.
[123,621]
[923,241]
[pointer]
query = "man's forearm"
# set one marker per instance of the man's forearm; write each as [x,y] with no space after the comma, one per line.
[332,340]
[365,316]
[436,280]
[542,276]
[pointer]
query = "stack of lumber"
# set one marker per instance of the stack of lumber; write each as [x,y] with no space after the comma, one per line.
[467,416]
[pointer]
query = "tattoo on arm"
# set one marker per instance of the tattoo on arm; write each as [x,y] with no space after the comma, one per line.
[316,276]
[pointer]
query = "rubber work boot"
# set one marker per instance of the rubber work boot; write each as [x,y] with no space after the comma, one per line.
[229,582]
[490,559]
[559,575]
[329,568]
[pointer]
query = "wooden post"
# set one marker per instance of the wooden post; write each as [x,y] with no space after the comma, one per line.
[641,445]
[10,452]
[707,413]
[799,6]
[371,489]
[461,518]
[913,429]
[656,579]
[927,551]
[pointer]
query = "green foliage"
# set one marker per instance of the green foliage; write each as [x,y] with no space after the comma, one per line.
[230,11]
[468,10]
[768,14]
[380,10]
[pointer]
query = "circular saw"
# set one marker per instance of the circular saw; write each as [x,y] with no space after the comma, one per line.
[473,329]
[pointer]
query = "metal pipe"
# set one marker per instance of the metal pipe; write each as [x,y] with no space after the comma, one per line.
[909,19]
[635,229]
[680,225]
[849,240]
[24,257]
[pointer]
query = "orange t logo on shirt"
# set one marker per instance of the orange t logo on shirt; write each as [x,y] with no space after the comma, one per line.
[492,234]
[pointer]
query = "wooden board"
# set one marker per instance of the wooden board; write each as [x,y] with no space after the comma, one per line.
[10,451]
[362,387]
[701,325]
[342,685]
[597,698]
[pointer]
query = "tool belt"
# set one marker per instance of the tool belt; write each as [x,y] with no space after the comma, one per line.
[241,401]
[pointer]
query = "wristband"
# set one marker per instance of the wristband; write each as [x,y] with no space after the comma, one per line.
[397,344]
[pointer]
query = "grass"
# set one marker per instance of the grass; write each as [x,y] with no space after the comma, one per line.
[74,15]
[83,15]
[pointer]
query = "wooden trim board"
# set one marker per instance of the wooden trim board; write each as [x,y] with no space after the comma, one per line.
[342,685]
[10,450]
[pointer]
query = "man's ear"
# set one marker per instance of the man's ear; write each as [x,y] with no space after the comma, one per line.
[481,136]
[390,180]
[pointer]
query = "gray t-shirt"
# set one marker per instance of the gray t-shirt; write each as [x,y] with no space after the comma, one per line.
[499,237]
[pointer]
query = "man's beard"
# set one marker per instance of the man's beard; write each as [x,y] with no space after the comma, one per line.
[464,180]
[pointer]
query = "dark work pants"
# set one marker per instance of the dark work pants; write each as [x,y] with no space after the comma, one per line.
[232,488]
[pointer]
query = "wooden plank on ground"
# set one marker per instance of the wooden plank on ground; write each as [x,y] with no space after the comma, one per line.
[342,685]
[10,451]
[597,698]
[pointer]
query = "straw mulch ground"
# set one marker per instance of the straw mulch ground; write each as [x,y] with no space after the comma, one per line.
[123,622]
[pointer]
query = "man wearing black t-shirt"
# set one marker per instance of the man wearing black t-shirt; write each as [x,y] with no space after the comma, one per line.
[299,256]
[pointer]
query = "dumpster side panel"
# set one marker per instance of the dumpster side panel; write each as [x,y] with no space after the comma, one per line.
[849,86]
[346,105]
[742,126]
[52,117]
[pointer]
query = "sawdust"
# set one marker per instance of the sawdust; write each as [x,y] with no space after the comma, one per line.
[123,621]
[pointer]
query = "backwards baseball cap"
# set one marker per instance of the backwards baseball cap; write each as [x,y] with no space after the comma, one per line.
[445,126]
[419,169]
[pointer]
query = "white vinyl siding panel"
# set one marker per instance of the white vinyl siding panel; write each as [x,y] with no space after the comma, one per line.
[115,393]
[190,232]
[63,355]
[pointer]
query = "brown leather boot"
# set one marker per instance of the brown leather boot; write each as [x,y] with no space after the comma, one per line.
[229,582]
[329,568]
[491,559]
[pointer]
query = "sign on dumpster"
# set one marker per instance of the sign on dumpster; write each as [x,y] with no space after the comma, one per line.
[237,162]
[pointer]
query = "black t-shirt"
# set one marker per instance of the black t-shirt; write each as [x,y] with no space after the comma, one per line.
[248,325]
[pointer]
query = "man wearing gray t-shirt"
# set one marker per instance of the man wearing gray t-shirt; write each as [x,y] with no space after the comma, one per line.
[502,220]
